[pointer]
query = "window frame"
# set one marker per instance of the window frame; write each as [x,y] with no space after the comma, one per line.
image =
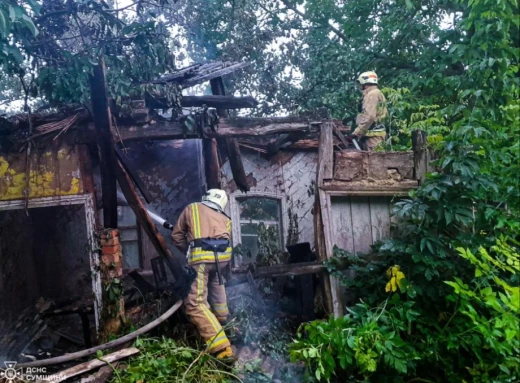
[234,206]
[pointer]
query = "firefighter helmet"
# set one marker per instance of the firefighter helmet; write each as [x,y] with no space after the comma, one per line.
[216,196]
[367,78]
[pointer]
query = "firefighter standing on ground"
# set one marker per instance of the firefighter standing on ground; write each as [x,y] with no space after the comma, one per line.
[372,111]
[206,303]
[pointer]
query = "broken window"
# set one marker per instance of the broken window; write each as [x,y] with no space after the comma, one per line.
[257,214]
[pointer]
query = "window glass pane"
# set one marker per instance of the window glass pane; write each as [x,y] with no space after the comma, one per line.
[131,255]
[249,229]
[260,209]
[128,234]
[249,248]
[259,226]
[125,216]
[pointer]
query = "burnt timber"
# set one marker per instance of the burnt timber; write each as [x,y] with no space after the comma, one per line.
[228,127]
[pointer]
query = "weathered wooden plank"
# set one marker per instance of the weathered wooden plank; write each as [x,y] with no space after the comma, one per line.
[370,188]
[211,163]
[342,223]
[327,225]
[235,159]
[92,364]
[341,137]
[420,155]
[211,101]
[351,165]
[215,74]
[103,125]
[228,127]
[390,165]
[361,226]
[291,269]
[326,152]
[379,217]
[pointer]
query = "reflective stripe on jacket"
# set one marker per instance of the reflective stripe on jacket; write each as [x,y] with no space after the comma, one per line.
[199,221]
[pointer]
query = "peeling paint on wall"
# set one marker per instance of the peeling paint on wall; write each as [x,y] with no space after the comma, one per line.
[52,173]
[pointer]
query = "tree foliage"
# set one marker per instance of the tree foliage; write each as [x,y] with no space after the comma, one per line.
[458,233]
[57,43]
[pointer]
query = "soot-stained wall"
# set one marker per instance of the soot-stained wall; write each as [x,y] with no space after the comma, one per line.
[173,174]
[42,255]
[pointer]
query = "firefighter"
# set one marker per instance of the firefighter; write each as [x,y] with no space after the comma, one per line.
[206,303]
[372,110]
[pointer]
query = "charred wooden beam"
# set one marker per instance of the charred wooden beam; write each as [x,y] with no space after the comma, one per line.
[197,74]
[211,163]
[93,364]
[102,123]
[133,174]
[341,137]
[212,101]
[143,218]
[216,74]
[235,159]
[287,270]
[228,127]
[282,270]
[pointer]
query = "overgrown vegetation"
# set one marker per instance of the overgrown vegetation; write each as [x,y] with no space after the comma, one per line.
[165,360]
[450,68]
[454,318]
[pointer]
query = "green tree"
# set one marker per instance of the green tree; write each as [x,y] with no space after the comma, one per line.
[460,226]
[57,43]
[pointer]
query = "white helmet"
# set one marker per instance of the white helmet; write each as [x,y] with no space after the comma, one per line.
[217,197]
[367,78]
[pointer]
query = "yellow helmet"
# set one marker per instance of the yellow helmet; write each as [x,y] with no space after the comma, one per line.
[367,78]
[217,197]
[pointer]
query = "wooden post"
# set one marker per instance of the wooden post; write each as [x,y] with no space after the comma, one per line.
[420,155]
[211,163]
[235,160]
[325,171]
[107,156]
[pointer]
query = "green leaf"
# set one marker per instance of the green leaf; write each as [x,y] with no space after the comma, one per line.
[35,6]
[27,21]
[504,369]
[409,4]
[3,22]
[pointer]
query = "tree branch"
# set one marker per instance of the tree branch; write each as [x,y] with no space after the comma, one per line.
[335,30]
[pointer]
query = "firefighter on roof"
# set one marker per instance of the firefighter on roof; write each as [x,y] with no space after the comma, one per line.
[372,110]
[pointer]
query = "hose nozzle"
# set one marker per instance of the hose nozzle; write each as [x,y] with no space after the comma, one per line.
[168,225]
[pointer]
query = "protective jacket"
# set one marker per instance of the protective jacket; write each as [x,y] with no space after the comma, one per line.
[372,112]
[198,221]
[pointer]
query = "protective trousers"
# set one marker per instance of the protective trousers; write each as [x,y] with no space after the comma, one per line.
[208,318]
[370,143]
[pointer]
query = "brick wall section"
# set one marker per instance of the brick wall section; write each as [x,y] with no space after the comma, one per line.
[112,252]
[111,267]
[290,176]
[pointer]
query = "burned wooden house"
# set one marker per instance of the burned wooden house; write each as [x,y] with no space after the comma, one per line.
[59,196]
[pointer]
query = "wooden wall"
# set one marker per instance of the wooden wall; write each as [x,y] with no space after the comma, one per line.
[360,221]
